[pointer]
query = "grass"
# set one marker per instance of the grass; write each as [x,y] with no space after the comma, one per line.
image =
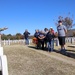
[23,60]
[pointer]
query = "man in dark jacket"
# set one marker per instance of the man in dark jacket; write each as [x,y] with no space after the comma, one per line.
[26,36]
[50,39]
[41,38]
[36,36]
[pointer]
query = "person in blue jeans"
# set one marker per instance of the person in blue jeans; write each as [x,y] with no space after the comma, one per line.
[45,40]
[27,41]
[50,39]
[26,36]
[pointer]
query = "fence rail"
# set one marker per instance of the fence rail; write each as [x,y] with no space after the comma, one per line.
[10,42]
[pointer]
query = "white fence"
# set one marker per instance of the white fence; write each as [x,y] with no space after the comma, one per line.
[10,42]
[70,40]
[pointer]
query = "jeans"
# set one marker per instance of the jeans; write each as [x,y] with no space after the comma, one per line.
[51,45]
[27,41]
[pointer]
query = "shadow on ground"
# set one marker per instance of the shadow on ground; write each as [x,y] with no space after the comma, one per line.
[68,53]
[32,47]
[45,49]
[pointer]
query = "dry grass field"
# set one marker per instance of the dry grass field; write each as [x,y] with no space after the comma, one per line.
[26,60]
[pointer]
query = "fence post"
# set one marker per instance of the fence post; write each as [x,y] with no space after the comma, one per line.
[57,42]
[0,39]
[72,40]
[4,65]
[4,42]
[8,41]
[1,50]
[1,53]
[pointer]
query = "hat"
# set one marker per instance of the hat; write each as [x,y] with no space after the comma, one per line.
[59,21]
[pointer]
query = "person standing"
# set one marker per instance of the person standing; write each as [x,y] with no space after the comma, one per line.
[45,40]
[52,30]
[50,39]
[26,36]
[61,35]
[36,36]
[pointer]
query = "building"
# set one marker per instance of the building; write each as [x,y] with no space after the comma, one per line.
[71,32]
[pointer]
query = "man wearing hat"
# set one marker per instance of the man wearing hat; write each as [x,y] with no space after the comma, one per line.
[61,35]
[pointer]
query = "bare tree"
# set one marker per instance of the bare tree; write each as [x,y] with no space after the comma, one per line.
[67,21]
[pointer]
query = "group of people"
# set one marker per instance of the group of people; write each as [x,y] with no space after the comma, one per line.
[45,38]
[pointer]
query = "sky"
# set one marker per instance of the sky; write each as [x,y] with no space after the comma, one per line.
[19,15]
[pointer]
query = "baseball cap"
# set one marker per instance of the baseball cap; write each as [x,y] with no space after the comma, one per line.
[59,21]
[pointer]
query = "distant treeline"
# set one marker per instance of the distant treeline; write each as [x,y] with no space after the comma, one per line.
[17,36]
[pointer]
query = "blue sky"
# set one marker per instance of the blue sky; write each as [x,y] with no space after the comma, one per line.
[19,15]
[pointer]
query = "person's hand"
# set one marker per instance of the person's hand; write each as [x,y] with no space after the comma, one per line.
[56,34]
